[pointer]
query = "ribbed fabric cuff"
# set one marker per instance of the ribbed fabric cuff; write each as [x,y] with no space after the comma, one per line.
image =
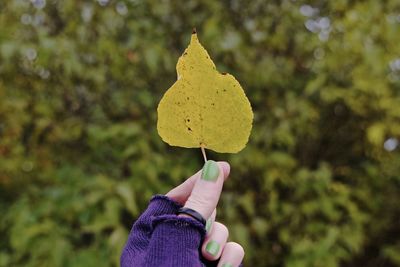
[180,222]
[142,228]
[161,238]
[175,241]
[161,204]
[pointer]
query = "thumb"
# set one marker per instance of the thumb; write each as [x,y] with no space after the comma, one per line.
[207,190]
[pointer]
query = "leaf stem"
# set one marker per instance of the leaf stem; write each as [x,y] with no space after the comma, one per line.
[203,151]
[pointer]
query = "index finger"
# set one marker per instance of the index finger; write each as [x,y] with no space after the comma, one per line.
[182,192]
[207,189]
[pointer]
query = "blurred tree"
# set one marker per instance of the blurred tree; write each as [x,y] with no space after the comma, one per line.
[318,184]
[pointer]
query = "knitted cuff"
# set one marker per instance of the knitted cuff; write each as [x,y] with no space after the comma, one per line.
[175,241]
[160,204]
[180,223]
[140,234]
[161,238]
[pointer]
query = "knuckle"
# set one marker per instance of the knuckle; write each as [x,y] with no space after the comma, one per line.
[235,248]
[221,228]
[198,201]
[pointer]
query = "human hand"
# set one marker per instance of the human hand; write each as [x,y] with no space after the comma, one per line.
[164,237]
[201,192]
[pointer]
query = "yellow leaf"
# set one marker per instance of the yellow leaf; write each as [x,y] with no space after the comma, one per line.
[204,107]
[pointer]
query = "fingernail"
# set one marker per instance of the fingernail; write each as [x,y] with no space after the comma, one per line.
[227,265]
[212,248]
[210,171]
[208,225]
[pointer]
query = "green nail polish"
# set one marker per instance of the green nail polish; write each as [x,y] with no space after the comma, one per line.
[212,248]
[208,225]
[227,265]
[210,171]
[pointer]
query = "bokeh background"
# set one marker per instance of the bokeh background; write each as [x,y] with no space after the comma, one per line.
[317,185]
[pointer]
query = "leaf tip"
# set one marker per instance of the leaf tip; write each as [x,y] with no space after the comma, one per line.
[194,31]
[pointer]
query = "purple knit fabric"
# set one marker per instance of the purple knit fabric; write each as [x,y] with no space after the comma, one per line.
[161,238]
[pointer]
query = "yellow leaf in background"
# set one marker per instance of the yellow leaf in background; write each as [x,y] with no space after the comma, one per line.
[204,107]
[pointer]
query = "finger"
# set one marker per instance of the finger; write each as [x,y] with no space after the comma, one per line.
[214,243]
[232,255]
[207,189]
[182,192]
[210,222]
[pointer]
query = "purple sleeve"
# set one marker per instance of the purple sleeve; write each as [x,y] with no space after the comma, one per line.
[161,238]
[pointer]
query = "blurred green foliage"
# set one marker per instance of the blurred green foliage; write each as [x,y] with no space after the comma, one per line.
[318,184]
